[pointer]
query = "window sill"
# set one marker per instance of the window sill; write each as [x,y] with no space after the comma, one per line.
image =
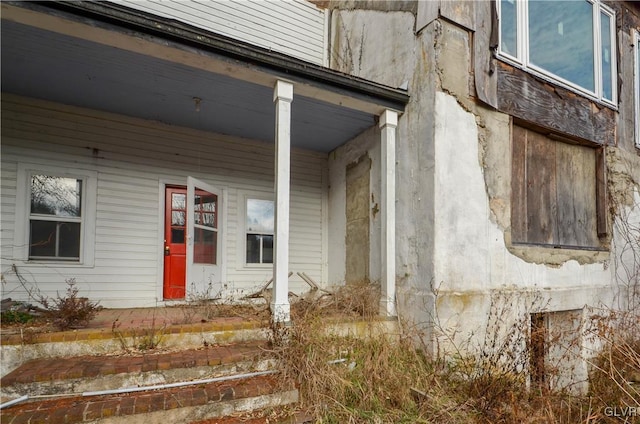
[557,256]
[56,264]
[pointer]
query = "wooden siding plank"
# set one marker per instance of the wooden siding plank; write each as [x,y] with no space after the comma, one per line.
[601,192]
[522,95]
[541,190]
[576,195]
[518,184]
[484,41]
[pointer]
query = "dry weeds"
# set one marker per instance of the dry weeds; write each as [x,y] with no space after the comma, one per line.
[380,379]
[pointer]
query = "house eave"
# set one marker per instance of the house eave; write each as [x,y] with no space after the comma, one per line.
[259,58]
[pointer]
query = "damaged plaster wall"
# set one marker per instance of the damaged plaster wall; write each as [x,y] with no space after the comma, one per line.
[363,148]
[454,186]
[382,46]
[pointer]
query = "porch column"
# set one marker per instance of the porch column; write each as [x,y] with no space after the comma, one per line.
[388,125]
[282,97]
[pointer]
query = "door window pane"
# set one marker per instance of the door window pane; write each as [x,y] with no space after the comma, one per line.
[178,201]
[177,235]
[561,40]
[204,248]
[177,218]
[205,208]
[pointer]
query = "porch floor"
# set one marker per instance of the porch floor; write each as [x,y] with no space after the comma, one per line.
[111,323]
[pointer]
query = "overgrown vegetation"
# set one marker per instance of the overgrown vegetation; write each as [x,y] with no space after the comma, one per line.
[388,379]
[69,311]
[64,312]
[15,317]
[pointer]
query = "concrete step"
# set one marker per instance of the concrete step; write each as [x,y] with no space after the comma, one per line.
[49,376]
[183,386]
[174,404]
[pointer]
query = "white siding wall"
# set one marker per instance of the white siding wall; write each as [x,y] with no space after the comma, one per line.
[132,160]
[292,27]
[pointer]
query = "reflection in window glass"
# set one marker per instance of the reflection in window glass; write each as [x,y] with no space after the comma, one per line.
[177,218]
[508,30]
[605,29]
[259,216]
[55,217]
[57,196]
[178,201]
[259,249]
[204,246]
[561,40]
[205,209]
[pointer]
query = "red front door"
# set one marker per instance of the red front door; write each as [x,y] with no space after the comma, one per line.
[175,234]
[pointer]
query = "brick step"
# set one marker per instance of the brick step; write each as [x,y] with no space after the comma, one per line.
[92,373]
[236,394]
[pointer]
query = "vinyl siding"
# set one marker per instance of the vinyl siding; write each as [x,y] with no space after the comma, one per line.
[132,158]
[295,28]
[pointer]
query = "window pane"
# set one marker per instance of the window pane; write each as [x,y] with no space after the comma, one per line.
[561,40]
[204,247]
[605,31]
[259,216]
[267,249]
[177,235]
[205,209]
[55,195]
[508,34]
[177,218]
[253,248]
[178,201]
[42,241]
[69,239]
[54,239]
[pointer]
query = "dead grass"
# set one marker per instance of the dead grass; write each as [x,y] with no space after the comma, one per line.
[381,379]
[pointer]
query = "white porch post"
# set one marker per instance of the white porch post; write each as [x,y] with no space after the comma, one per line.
[282,97]
[388,125]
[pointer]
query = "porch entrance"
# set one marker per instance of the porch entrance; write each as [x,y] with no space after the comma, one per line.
[191,238]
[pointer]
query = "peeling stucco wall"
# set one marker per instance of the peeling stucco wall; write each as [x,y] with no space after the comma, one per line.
[454,250]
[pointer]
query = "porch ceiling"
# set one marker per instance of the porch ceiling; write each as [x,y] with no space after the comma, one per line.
[73,70]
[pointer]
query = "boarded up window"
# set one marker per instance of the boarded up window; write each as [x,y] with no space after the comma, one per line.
[554,192]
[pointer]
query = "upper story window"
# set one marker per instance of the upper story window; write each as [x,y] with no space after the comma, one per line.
[567,42]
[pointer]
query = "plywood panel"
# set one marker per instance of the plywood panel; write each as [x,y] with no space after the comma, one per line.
[541,190]
[575,166]
[518,184]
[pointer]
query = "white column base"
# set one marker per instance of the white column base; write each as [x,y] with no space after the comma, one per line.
[281,312]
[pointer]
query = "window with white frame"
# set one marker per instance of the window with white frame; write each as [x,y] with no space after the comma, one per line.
[55,215]
[637,86]
[569,42]
[259,231]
